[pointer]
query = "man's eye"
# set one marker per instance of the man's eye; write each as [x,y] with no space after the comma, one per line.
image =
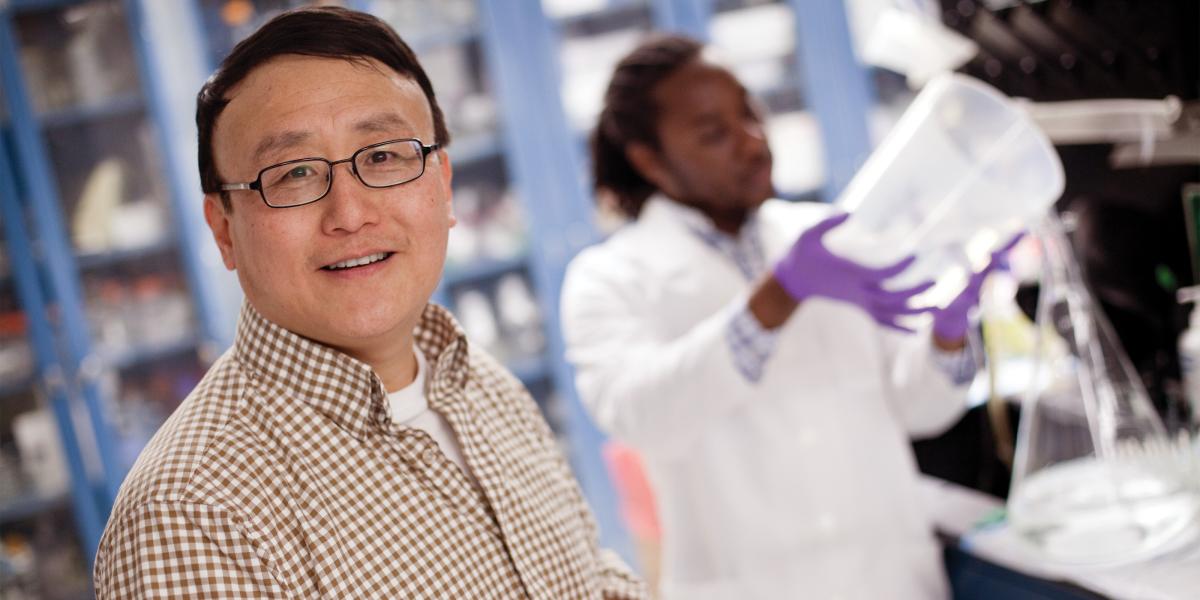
[380,157]
[300,172]
[709,136]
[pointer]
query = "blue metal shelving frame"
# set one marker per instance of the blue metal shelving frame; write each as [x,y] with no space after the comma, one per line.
[68,365]
[89,516]
[836,86]
[61,272]
[689,17]
[119,106]
[186,222]
[543,159]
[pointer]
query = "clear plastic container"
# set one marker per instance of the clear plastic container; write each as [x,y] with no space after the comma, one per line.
[962,171]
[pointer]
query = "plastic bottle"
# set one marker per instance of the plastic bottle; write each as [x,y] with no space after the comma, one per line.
[1189,354]
[962,171]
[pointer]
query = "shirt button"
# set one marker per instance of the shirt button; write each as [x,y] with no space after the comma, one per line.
[429,456]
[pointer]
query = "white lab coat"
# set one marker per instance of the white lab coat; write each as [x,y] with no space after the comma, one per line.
[802,485]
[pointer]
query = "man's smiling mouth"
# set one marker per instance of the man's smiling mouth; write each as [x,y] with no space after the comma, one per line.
[357,262]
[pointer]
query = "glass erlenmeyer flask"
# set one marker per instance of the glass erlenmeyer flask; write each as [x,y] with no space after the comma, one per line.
[1095,480]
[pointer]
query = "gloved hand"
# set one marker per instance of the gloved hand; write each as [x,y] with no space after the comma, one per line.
[809,269]
[950,323]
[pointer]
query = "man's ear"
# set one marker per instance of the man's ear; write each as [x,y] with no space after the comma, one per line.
[218,221]
[649,164]
[445,172]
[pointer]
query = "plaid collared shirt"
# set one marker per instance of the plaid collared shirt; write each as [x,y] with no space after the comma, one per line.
[282,476]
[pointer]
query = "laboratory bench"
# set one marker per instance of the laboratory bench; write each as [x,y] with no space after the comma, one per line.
[986,560]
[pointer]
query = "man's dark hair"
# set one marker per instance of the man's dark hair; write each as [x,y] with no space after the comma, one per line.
[630,115]
[327,32]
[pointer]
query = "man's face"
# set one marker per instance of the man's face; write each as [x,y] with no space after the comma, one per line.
[713,153]
[299,107]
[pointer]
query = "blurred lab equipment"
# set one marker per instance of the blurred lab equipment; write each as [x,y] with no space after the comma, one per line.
[907,37]
[1189,356]
[1095,479]
[962,171]
[42,457]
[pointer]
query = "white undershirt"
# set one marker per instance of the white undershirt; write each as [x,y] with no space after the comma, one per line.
[409,408]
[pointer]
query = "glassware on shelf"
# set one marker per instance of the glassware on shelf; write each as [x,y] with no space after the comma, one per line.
[11,480]
[18,574]
[759,42]
[16,355]
[491,226]
[478,319]
[112,205]
[91,228]
[587,66]
[41,559]
[138,311]
[40,449]
[454,71]
[520,316]
[1095,480]
[422,23]
[77,56]
[595,36]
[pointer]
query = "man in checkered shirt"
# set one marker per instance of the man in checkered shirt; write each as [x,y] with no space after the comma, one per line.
[352,443]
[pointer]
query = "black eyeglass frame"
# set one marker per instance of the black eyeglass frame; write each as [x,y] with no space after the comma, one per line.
[256,185]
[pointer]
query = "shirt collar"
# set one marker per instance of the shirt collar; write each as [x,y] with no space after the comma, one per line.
[337,385]
[660,206]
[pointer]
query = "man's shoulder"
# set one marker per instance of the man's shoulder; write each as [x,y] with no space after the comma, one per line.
[492,375]
[207,424]
[502,392]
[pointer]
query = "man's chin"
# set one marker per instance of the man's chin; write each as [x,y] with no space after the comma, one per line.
[757,200]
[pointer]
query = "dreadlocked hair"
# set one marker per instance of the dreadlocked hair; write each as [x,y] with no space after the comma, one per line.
[631,116]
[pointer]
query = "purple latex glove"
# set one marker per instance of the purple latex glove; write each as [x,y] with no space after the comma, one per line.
[951,322]
[809,269]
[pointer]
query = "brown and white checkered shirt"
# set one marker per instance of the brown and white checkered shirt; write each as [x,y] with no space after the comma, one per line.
[282,476]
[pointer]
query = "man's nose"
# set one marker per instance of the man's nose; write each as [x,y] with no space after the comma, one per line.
[350,205]
[753,138]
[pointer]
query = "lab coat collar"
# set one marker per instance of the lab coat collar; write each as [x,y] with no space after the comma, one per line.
[660,208]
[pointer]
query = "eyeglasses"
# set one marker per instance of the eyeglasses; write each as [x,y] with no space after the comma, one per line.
[306,180]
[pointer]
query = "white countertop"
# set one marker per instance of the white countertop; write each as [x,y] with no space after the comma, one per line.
[970,516]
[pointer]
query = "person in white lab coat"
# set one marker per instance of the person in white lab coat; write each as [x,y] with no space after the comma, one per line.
[762,379]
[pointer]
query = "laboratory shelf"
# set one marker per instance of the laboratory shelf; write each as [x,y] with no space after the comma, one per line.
[452,37]
[119,106]
[30,504]
[37,4]
[16,385]
[105,259]
[473,149]
[140,355]
[604,18]
[483,270]
[784,96]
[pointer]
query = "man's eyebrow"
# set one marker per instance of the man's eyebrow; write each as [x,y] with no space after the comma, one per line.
[376,123]
[383,122]
[280,141]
